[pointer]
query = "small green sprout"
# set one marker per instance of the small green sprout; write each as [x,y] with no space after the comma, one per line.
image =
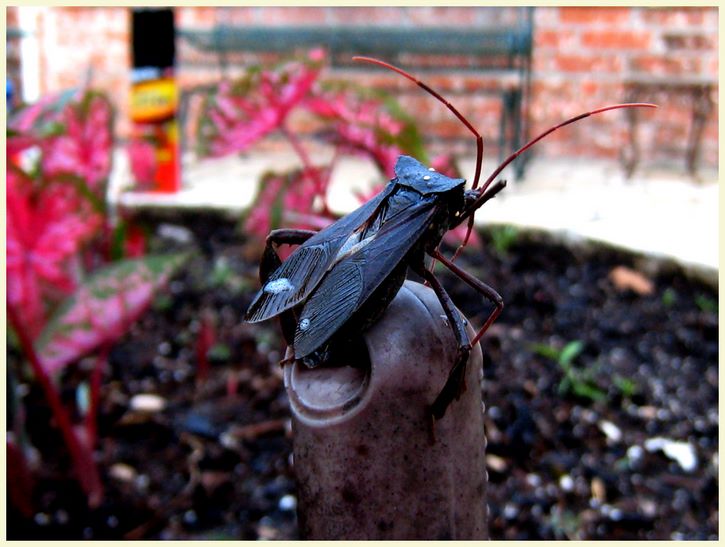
[669,297]
[705,303]
[163,302]
[503,237]
[220,352]
[626,386]
[579,382]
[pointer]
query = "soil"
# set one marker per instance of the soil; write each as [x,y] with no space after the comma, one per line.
[584,454]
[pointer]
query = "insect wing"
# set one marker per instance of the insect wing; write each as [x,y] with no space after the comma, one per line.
[351,282]
[298,276]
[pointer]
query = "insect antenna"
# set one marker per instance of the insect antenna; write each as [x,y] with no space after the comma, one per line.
[482,193]
[461,117]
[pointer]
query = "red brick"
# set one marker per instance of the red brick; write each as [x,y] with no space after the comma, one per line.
[591,15]
[280,16]
[547,38]
[711,132]
[366,15]
[616,39]
[196,17]
[441,82]
[713,66]
[657,65]
[676,16]
[237,16]
[546,17]
[432,16]
[588,63]
[558,38]
[690,42]
[11,15]
[590,88]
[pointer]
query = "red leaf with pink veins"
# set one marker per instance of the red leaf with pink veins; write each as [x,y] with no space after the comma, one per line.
[43,233]
[286,199]
[103,308]
[32,118]
[240,113]
[142,160]
[84,148]
[361,126]
[17,143]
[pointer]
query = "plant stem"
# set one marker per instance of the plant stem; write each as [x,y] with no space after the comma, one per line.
[308,167]
[85,468]
[96,380]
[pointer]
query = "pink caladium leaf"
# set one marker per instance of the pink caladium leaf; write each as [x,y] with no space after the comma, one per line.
[32,124]
[84,148]
[239,113]
[103,307]
[374,126]
[142,159]
[26,130]
[45,230]
[289,199]
[41,117]
[67,137]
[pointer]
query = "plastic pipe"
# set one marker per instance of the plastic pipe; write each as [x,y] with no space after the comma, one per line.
[367,466]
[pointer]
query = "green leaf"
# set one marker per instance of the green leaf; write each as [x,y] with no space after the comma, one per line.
[544,350]
[570,351]
[589,391]
[102,309]
[564,386]
[669,297]
[626,386]
[503,237]
[706,304]
[219,352]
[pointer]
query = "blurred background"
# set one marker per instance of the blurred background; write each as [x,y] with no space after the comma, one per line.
[151,151]
[580,58]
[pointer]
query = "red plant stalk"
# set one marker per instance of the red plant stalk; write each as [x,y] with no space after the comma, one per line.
[232,384]
[95,396]
[308,167]
[84,466]
[20,481]
[204,342]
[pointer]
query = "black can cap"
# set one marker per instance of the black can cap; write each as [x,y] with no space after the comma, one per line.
[153,42]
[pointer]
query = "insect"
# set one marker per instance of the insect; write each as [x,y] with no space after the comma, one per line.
[340,280]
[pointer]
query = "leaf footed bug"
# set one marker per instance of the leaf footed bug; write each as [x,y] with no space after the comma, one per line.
[340,280]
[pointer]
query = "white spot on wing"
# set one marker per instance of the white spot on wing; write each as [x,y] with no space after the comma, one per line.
[278,285]
[305,324]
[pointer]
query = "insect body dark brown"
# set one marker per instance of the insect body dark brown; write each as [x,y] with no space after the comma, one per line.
[340,280]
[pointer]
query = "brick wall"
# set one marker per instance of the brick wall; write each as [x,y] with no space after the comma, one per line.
[581,58]
[86,44]
[583,55]
[12,53]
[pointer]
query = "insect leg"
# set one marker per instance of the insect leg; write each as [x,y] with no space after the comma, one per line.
[456,383]
[478,285]
[271,261]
